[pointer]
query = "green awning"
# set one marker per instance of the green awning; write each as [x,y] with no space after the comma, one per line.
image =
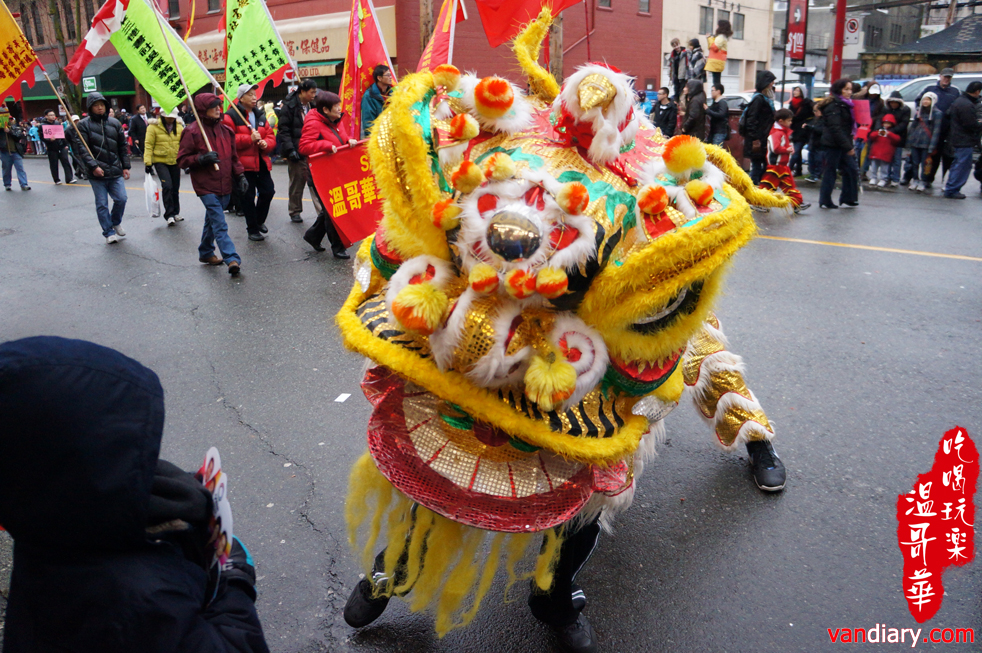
[107,75]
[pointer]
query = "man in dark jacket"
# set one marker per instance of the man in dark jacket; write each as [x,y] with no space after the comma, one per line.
[899,110]
[110,167]
[963,137]
[295,108]
[215,171]
[111,545]
[678,68]
[947,94]
[57,149]
[697,61]
[694,122]
[375,98]
[138,128]
[665,113]
[12,149]
[719,116]
[758,119]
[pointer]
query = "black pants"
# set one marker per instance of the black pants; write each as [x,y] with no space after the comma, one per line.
[255,203]
[679,85]
[170,188]
[716,79]
[945,165]
[323,225]
[60,154]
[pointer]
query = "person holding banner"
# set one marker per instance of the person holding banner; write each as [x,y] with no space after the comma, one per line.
[295,108]
[324,132]
[109,167]
[54,139]
[212,185]
[254,142]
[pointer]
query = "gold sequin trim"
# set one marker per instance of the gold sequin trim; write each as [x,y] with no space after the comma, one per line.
[734,418]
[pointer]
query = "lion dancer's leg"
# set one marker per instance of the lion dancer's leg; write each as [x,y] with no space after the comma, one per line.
[714,379]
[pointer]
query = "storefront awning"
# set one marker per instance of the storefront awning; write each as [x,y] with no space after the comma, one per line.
[108,75]
[308,39]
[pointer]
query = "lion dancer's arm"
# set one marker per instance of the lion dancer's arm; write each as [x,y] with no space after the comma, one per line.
[714,379]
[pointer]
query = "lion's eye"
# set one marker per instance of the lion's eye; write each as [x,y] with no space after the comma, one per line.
[682,304]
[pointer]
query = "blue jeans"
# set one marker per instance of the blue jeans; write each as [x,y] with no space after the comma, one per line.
[895,167]
[836,160]
[718,139]
[816,161]
[959,172]
[216,230]
[15,160]
[103,189]
[914,163]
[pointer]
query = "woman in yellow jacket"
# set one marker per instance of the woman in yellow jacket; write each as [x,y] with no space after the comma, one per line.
[162,142]
[716,63]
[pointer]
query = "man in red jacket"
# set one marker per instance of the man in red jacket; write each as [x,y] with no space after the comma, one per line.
[254,142]
[213,186]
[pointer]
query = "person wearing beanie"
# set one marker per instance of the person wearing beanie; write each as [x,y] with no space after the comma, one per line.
[215,172]
[963,138]
[883,144]
[323,132]
[899,110]
[697,61]
[923,139]
[756,123]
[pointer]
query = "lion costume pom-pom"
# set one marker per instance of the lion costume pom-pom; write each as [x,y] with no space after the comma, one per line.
[683,153]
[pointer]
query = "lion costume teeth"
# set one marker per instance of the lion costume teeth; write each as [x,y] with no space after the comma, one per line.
[534,303]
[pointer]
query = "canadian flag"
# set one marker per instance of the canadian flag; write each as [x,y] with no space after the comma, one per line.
[108,20]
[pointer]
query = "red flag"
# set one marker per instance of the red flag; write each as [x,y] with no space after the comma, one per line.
[504,19]
[366,49]
[107,20]
[440,48]
[345,183]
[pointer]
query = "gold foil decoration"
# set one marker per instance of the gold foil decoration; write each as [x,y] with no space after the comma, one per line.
[595,91]
[719,384]
[700,346]
[734,418]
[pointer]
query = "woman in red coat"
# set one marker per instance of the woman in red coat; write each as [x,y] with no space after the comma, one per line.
[324,133]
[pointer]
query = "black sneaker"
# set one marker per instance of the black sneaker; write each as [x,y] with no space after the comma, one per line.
[257,236]
[263,229]
[768,470]
[577,637]
[296,218]
[849,205]
[828,206]
[955,196]
[361,609]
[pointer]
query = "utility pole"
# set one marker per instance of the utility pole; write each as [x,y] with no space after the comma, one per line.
[835,70]
[950,18]
[556,48]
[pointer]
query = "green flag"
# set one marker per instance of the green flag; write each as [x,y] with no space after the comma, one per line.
[141,45]
[255,51]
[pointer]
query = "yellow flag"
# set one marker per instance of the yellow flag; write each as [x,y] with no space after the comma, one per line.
[17,57]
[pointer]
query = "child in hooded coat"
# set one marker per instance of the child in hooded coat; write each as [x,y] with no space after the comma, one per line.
[882,146]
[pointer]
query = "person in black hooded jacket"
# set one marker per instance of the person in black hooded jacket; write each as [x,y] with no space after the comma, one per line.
[108,163]
[694,122]
[756,124]
[110,544]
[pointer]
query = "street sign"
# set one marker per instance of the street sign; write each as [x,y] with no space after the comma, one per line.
[796,29]
[854,27]
[88,84]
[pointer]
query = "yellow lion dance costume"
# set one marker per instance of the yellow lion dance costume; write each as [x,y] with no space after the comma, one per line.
[535,300]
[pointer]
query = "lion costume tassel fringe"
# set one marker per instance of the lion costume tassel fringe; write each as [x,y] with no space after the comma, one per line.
[441,559]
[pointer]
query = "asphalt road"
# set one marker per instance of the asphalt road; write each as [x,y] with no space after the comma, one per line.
[861,357]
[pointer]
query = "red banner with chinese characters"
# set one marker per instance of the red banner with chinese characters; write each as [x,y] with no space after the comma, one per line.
[937,520]
[366,49]
[347,189]
[797,27]
[440,48]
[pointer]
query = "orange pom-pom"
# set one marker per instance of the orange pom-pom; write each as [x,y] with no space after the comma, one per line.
[420,307]
[463,127]
[499,167]
[483,278]
[700,192]
[520,284]
[652,199]
[447,76]
[573,198]
[551,283]
[683,153]
[446,214]
[467,177]
[493,97]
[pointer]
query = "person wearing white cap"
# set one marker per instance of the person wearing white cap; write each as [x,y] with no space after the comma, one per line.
[162,141]
[254,142]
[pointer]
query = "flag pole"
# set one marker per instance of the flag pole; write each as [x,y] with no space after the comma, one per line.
[163,32]
[276,30]
[381,37]
[63,106]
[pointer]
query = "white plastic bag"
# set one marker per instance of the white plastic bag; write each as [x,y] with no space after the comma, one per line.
[152,191]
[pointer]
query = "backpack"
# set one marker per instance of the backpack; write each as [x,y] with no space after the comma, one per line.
[742,128]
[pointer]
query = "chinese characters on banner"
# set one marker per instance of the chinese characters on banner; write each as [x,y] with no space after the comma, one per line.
[937,520]
[141,45]
[797,28]
[17,58]
[347,188]
[255,52]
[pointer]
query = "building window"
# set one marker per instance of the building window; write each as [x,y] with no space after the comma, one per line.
[68,19]
[26,24]
[174,8]
[214,5]
[705,20]
[38,26]
[896,33]
[90,9]
[733,67]
[644,6]
[738,26]
[720,15]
